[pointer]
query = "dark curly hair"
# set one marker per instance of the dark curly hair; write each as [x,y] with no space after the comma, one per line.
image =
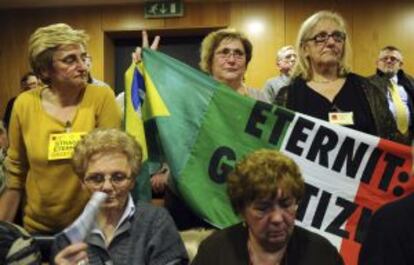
[260,175]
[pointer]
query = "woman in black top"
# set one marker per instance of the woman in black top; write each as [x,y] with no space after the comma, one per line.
[322,85]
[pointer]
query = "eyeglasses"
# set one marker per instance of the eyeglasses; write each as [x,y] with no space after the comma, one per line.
[226,53]
[393,59]
[73,59]
[96,180]
[264,208]
[323,37]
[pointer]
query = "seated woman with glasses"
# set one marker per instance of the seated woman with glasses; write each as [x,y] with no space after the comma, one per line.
[265,189]
[124,232]
[322,85]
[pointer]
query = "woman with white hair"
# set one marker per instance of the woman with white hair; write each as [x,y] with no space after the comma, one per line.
[124,232]
[322,85]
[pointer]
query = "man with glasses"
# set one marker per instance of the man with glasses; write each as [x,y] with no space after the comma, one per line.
[399,90]
[285,61]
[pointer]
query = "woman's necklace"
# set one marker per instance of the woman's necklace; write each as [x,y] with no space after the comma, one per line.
[253,260]
[325,81]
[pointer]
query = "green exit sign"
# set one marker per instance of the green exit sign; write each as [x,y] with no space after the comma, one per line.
[167,8]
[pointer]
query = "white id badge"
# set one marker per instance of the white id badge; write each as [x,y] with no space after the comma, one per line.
[341,118]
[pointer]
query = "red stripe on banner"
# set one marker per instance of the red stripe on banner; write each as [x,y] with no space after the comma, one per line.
[391,179]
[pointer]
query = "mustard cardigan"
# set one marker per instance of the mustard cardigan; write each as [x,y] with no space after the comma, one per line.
[54,197]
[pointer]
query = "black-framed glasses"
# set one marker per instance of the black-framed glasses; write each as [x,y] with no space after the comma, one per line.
[322,37]
[226,53]
[96,180]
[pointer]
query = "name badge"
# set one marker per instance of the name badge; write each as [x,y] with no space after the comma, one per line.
[341,118]
[62,145]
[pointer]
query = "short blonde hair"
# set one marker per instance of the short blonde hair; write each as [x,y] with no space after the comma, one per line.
[303,67]
[259,175]
[213,40]
[106,140]
[44,42]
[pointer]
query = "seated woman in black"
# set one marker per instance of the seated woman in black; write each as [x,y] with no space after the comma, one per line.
[265,189]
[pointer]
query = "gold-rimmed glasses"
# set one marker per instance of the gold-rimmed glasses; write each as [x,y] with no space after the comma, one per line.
[96,180]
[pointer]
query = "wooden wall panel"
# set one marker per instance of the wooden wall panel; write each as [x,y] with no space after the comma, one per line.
[127,18]
[203,15]
[109,60]
[13,57]
[371,26]
[263,23]
[380,25]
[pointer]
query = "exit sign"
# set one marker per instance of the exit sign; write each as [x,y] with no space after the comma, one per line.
[167,8]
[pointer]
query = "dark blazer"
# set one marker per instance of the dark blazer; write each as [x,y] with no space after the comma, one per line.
[390,235]
[382,81]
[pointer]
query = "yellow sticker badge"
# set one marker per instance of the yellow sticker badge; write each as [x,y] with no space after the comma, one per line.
[62,145]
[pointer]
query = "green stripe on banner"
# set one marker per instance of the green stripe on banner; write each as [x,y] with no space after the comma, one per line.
[226,135]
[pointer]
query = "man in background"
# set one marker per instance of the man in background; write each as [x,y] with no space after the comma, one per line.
[399,90]
[285,61]
[27,82]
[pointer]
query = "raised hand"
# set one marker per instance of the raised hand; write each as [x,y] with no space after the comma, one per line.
[136,55]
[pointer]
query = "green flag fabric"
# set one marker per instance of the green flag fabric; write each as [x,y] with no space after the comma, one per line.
[201,137]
